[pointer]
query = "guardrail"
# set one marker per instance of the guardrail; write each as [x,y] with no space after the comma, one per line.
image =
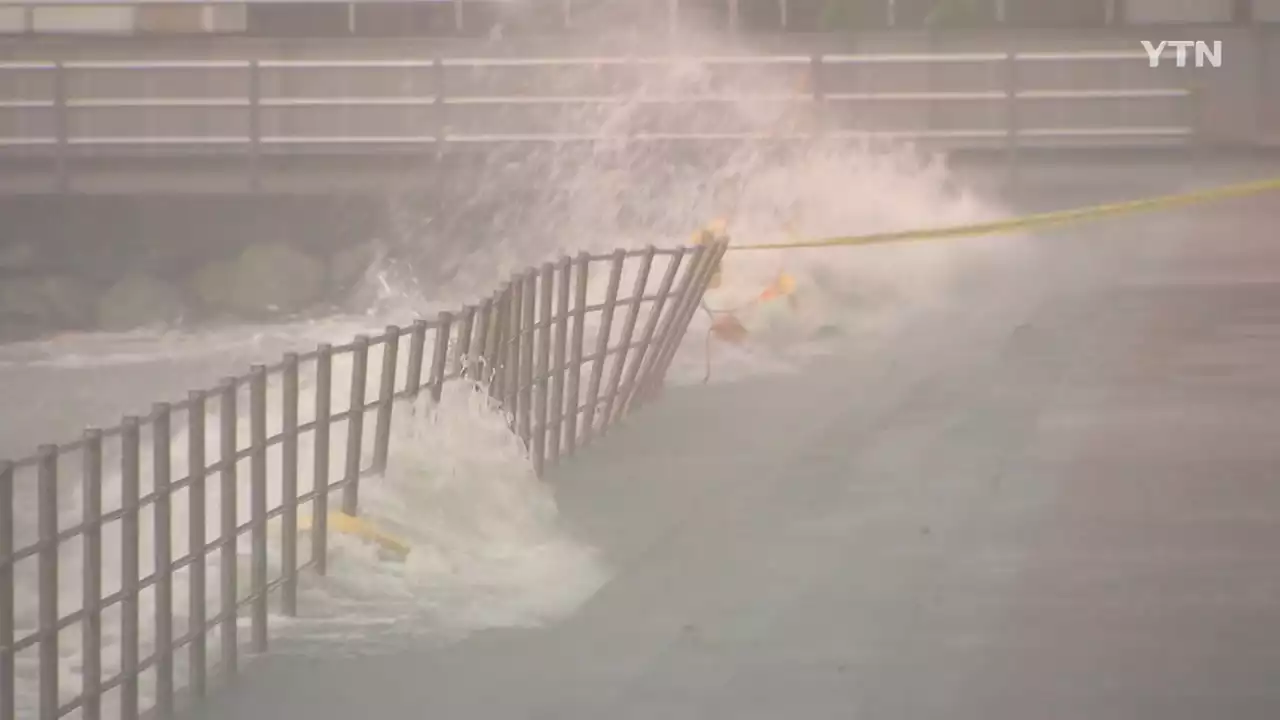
[253,109]
[353,17]
[554,354]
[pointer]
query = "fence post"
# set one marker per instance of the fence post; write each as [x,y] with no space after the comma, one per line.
[440,354]
[320,460]
[1012,132]
[8,684]
[130,443]
[197,538]
[494,342]
[289,485]
[479,340]
[511,353]
[229,530]
[528,335]
[441,108]
[462,346]
[91,576]
[255,126]
[816,82]
[258,505]
[417,351]
[162,551]
[666,330]
[355,425]
[628,388]
[583,280]
[546,281]
[602,344]
[628,330]
[386,399]
[62,127]
[564,272]
[47,523]
[699,273]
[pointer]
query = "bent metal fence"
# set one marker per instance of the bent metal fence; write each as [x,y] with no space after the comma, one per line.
[131,559]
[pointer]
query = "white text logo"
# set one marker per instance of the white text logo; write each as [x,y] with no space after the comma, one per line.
[1206,54]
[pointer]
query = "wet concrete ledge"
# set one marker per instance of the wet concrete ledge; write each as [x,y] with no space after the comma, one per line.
[392,171]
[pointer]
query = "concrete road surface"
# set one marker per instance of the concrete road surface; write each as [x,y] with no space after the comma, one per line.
[1056,500]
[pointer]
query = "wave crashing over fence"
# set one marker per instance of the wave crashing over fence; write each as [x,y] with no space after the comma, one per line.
[164,547]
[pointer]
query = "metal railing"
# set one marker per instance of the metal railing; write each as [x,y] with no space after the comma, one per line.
[559,351]
[461,16]
[253,109]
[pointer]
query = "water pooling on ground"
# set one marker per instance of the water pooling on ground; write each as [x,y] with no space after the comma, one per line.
[489,550]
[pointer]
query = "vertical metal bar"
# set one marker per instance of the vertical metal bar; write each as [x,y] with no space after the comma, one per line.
[515,338]
[129,575]
[688,305]
[479,338]
[8,680]
[602,344]
[1012,133]
[784,14]
[441,107]
[258,505]
[566,9]
[320,462]
[417,350]
[47,523]
[628,330]
[62,127]
[673,17]
[528,320]
[440,354]
[539,434]
[162,550]
[355,426]
[255,126]
[91,577]
[647,335]
[197,537]
[734,16]
[564,272]
[496,342]
[228,427]
[711,260]
[667,333]
[386,399]
[457,15]
[818,88]
[289,485]
[583,279]
[462,347]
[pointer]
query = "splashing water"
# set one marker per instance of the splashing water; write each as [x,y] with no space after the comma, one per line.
[489,550]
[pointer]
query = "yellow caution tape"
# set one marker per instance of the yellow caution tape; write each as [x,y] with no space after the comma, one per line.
[345,524]
[1039,220]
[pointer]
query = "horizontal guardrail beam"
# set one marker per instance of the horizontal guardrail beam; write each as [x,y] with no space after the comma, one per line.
[273,108]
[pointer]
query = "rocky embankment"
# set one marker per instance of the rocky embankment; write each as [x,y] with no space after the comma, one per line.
[162,266]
